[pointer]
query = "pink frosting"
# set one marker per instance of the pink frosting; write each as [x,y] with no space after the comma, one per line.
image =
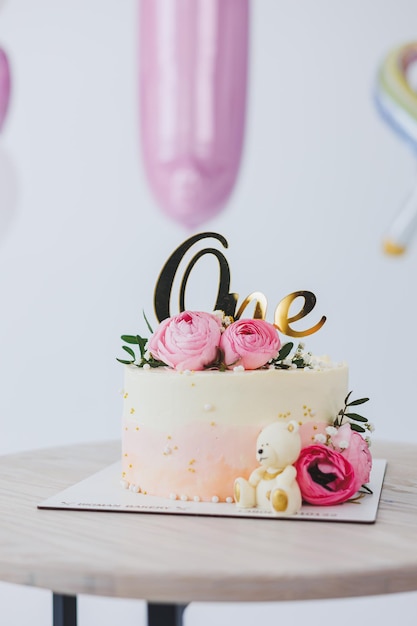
[188,341]
[197,459]
[325,476]
[249,342]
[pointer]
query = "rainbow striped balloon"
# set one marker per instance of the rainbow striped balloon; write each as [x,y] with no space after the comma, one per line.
[397,102]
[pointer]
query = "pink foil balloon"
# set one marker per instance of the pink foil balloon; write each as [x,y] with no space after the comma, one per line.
[4,86]
[194,59]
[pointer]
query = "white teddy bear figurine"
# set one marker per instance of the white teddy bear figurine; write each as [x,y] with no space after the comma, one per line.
[273,485]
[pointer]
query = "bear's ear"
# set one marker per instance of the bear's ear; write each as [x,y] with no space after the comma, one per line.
[293,426]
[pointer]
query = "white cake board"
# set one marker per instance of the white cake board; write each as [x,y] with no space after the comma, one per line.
[103,492]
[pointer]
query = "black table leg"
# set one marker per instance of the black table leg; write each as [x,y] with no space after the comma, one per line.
[165,614]
[64,610]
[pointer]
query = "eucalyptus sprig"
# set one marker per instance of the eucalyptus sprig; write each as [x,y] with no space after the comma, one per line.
[300,359]
[353,418]
[141,359]
[141,342]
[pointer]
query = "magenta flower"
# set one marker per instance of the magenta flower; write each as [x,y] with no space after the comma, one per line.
[325,476]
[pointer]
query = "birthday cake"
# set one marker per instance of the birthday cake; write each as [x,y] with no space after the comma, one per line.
[219,408]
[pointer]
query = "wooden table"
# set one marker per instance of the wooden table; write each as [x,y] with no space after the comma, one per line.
[170,561]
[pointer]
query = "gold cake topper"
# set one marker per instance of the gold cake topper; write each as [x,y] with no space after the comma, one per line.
[225,300]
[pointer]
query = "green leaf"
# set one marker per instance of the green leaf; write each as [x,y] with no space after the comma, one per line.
[129,351]
[357,428]
[347,397]
[142,345]
[147,323]
[356,402]
[124,362]
[130,338]
[285,350]
[299,362]
[356,417]
[155,363]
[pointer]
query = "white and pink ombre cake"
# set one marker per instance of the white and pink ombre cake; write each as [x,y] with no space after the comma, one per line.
[189,434]
[217,406]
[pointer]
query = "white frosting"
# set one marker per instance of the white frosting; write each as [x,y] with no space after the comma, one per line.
[165,398]
[192,434]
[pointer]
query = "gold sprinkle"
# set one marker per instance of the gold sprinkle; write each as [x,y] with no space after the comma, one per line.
[125,453]
[125,395]
[192,384]
[300,423]
[126,428]
[314,427]
[169,437]
[212,423]
[130,465]
[132,410]
[305,414]
[304,406]
[191,469]
[144,492]
[191,462]
[175,447]
[123,473]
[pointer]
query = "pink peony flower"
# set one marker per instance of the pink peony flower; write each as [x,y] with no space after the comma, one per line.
[355,449]
[188,341]
[325,476]
[250,342]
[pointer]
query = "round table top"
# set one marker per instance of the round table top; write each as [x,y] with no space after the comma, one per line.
[168,558]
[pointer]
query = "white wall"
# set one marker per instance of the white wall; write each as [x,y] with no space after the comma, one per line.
[80,251]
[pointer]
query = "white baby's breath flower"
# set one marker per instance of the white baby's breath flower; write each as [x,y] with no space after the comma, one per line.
[320,438]
[331,430]
[146,366]
[370,427]
[343,444]
[226,320]
[238,368]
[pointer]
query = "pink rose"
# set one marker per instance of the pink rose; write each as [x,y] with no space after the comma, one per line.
[188,341]
[325,476]
[355,449]
[251,343]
